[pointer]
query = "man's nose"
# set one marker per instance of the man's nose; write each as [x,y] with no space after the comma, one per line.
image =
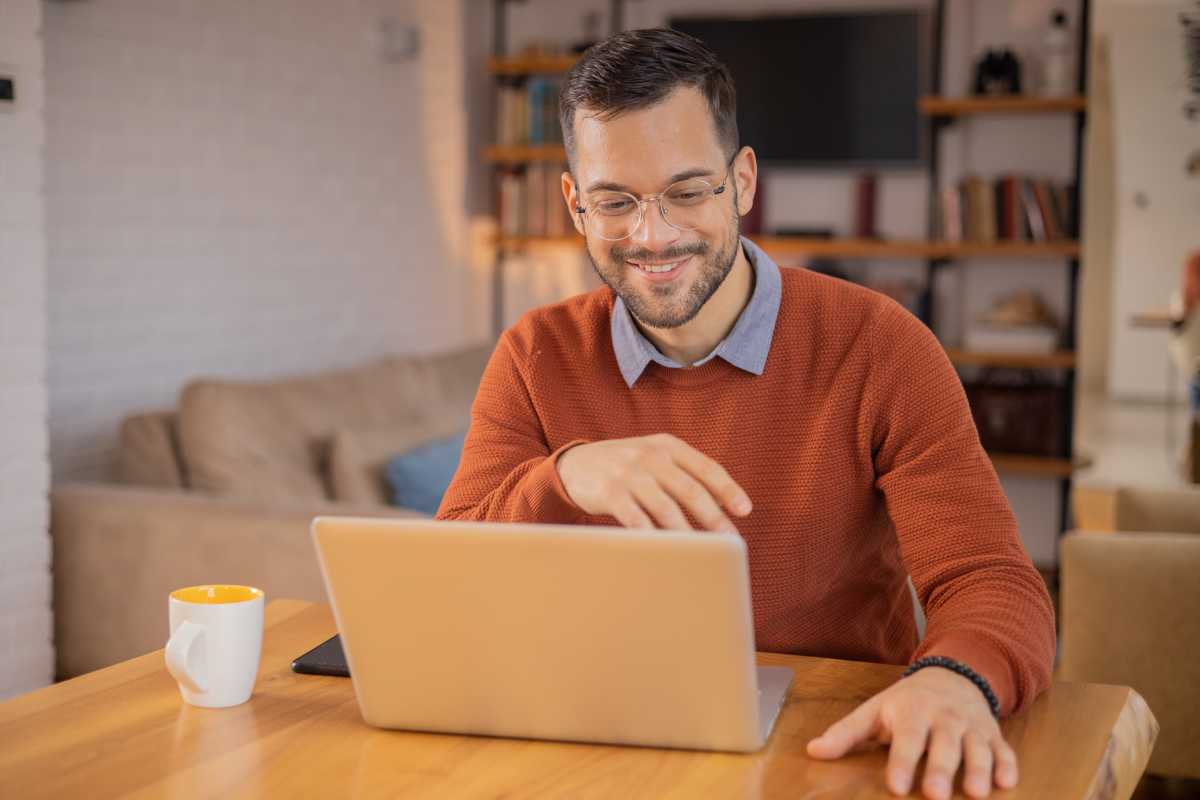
[654,233]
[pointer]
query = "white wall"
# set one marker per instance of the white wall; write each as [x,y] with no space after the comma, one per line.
[26,625]
[1151,140]
[1099,201]
[246,190]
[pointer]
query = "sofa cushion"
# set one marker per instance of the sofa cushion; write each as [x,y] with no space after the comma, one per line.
[357,456]
[148,451]
[268,441]
[457,375]
[420,477]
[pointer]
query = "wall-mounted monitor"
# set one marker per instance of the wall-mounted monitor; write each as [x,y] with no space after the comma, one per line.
[836,89]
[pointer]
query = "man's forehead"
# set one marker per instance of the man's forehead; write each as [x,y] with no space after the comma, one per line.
[643,147]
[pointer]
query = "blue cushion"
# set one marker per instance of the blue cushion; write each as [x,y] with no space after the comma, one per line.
[418,479]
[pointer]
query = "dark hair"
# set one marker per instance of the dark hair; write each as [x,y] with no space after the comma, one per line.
[636,69]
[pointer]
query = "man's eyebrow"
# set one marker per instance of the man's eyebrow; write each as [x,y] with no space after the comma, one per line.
[609,186]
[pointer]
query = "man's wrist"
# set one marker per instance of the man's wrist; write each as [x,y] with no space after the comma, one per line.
[961,669]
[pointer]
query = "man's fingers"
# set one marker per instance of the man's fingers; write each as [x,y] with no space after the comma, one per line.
[977,757]
[692,495]
[908,745]
[941,765]
[712,475]
[630,514]
[665,511]
[1006,764]
[858,726]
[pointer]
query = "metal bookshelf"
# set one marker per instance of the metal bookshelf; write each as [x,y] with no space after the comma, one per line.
[944,112]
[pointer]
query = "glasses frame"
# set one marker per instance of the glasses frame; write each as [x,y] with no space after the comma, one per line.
[642,202]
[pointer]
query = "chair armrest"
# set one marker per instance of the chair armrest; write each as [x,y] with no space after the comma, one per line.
[119,550]
[1130,608]
[1132,509]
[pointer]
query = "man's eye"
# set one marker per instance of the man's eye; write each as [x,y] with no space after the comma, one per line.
[687,196]
[614,206]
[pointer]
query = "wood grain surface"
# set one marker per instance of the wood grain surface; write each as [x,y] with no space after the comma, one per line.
[124,732]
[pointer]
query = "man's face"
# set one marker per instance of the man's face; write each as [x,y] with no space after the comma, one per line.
[641,153]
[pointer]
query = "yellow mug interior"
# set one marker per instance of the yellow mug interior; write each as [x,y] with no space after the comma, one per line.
[216,594]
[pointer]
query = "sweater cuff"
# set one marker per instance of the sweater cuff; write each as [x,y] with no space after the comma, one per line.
[992,666]
[548,496]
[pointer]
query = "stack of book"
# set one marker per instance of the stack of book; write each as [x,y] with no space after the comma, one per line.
[530,201]
[527,113]
[1010,208]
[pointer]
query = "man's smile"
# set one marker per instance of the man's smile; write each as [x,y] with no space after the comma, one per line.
[660,271]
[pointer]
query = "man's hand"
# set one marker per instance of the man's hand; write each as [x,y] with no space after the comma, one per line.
[647,481]
[934,710]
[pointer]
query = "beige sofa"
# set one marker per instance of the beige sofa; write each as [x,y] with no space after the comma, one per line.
[1130,603]
[222,490]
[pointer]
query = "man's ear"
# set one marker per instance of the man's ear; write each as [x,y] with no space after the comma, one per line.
[745,176]
[571,197]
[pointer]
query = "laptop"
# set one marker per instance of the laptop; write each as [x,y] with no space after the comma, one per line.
[563,632]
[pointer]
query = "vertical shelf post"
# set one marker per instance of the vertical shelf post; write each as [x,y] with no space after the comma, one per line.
[933,167]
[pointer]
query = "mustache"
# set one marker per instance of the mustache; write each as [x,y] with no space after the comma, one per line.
[673,253]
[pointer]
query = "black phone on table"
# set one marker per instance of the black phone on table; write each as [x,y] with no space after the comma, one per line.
[327,658]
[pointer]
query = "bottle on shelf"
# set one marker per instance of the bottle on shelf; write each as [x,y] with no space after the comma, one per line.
[1058,58]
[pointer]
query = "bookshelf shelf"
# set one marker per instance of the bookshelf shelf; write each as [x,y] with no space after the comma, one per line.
[525,154]
[1040,466]
[1063,359]
[868,248]
[965,106]
[879,248]
[518,242]
[1059,249]
[531,65]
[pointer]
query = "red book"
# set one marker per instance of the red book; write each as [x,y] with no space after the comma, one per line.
[864,207]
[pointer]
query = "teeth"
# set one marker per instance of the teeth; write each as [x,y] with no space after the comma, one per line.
[659,267]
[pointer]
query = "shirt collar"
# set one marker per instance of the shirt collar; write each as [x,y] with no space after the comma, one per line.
[747,345]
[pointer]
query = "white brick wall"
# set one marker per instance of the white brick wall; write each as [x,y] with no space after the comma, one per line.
[244,189]
[26,625]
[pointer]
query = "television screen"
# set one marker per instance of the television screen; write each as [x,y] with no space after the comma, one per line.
[824,89]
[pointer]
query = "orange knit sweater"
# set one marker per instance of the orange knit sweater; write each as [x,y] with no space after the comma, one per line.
[856,446]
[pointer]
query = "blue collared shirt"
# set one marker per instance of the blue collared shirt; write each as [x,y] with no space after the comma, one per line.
[745,347]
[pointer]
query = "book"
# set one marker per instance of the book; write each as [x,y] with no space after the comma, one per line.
[952,227]
[1011,230]
[1037,226]
[981,205]
[1041,194]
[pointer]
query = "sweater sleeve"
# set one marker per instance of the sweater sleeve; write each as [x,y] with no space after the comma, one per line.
[985,604]
[507,472]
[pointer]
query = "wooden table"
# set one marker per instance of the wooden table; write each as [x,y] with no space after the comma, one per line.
[124,732]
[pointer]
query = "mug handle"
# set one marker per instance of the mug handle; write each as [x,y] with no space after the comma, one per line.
[178,655]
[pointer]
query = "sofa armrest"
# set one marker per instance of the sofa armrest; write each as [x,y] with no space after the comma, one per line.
[119,550]
[1130,608]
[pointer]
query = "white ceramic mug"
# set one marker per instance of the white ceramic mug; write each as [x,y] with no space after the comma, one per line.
[215,644]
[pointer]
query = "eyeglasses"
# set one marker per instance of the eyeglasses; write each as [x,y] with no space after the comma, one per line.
[613,216]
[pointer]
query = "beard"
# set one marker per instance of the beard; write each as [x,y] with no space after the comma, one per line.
[670,306]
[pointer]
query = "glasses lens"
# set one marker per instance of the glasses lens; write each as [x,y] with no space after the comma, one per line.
[613,215]
[685,204]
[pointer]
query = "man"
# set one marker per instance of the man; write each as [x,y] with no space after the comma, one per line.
[705,388]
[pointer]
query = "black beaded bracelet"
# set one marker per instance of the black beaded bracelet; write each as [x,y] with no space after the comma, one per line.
[962,669]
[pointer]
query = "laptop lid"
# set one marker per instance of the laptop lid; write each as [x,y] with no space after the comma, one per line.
[594,634]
